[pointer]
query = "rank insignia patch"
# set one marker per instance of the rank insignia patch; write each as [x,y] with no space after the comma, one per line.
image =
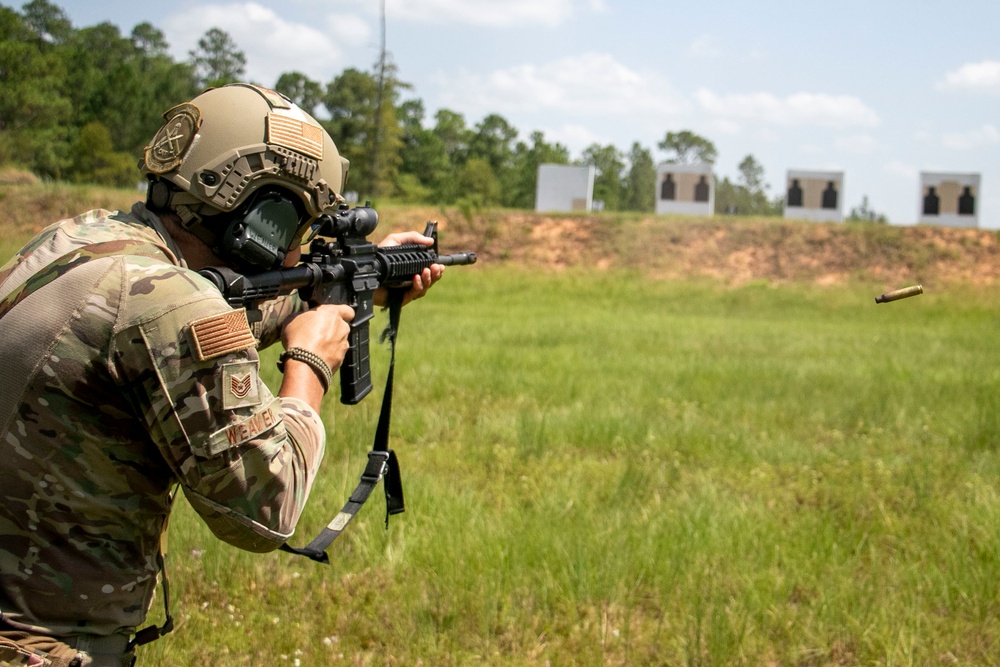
[240,385]
[221,334]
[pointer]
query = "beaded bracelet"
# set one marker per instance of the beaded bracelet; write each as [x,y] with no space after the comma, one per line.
[310,359]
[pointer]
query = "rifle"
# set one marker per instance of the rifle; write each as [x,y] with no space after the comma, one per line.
[345,270]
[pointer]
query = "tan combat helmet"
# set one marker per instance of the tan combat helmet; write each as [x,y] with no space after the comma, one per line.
[243,153]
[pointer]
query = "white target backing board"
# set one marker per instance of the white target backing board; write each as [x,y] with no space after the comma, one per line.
[949,199]
[685,188]
[564,188]
[814,195]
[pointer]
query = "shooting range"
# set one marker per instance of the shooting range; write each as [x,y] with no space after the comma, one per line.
[685,188]
[814,195]
[564,188]
[949,199]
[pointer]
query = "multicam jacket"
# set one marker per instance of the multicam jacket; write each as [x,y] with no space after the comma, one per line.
[123,373]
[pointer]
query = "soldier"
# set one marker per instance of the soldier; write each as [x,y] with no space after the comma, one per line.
[126,375]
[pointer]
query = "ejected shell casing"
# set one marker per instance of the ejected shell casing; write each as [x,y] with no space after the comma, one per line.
[900,294]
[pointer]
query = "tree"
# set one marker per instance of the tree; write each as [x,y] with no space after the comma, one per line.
[302,90]
[159,83]
[640,181]
[609,165]
[865,213]
[124,83]
[477,183]
[48,21]
[365,136]
[749,196]
[752,175]
[217,60]
[730,198]
[350,101]
[55,80]
[493,141]
[94,159]
[31,79]
[36,117]
[102,79]
[450,129]
[387,138]
[686,147]
[149,40]
[424,164]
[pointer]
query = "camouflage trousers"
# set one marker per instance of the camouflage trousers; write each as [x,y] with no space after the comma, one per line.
[23,649]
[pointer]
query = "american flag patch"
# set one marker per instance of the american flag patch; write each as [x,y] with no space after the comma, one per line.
[295,134]
[221,334]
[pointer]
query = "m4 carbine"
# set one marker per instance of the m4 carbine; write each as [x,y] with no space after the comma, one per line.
[342,267]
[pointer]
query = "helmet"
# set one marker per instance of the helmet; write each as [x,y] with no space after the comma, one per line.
[246,170]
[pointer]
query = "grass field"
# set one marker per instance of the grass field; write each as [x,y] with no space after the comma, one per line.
[602,470]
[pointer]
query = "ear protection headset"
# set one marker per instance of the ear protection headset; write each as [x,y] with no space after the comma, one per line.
[259,234]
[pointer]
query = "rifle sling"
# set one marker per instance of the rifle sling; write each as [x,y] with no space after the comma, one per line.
[382,461]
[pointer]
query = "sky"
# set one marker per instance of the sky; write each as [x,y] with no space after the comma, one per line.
[881,90]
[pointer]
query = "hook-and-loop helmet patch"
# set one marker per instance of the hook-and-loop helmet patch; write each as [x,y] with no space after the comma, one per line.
[171,143]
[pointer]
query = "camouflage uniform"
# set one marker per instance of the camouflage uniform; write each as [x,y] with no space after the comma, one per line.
[122,374]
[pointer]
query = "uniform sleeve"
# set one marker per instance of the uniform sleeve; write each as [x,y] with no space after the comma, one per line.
[274,313]
[245,459]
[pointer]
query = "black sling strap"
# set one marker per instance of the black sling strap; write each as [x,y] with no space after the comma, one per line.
[154,632]
[382,463]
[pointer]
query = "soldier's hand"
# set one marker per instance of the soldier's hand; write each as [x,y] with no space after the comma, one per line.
[322,330]
[423,280]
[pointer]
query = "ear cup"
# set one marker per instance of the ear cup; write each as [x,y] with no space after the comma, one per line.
[159,195]
[259,238]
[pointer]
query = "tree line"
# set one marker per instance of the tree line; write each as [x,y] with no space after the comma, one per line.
[80,105]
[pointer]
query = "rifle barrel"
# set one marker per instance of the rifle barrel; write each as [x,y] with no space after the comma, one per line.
[457,259]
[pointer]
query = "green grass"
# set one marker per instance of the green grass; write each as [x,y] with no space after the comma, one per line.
[602,470]
[606,470]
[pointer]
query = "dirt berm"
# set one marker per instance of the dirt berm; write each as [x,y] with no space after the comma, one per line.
[733,250]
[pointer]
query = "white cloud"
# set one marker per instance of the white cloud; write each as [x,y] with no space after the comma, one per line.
[352,30]
[272,44]
[496,13]
[817,109]
[705,46]
[856,143]
[725,126]
[575,137]
[767,135]
[590,84]
[982,76]
[902,170]
[987,135]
